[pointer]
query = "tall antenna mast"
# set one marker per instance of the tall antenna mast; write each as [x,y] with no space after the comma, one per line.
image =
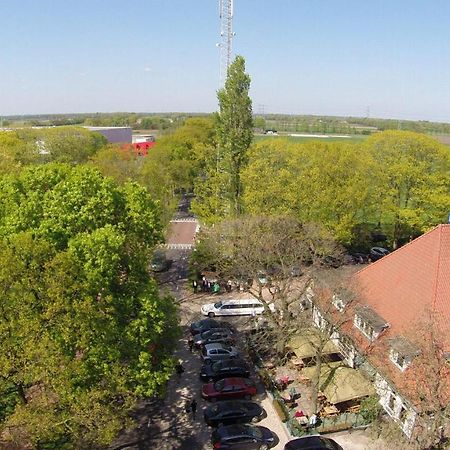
[226,37]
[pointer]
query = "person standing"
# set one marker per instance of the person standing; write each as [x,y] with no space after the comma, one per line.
[194,286]
[179,369]
[187,407]
[193,408]
[190,343]
[204,284]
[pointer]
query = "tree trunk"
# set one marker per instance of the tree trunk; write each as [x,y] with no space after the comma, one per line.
[316,382]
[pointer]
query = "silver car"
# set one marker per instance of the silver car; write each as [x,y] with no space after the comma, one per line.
[217,352]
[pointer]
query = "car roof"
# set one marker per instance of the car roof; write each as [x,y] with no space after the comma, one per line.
[235,404]
[312,443]
[233,380]
[233,430]
[215,345]
[217,330]
[235,362]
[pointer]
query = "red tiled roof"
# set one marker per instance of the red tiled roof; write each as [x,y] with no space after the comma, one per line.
[411,283]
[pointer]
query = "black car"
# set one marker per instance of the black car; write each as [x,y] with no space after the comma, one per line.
[312,443]
[208,324]
[243,437]
[220,335]
[233,411]
[160,263]
[377,253]
[235,367]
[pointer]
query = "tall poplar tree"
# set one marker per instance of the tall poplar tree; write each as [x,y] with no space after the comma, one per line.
[234,129]
[220,193]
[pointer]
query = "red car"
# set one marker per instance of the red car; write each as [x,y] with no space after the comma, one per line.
[229,388]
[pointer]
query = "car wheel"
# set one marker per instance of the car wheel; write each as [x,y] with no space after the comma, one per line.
[263,447]
[211,314]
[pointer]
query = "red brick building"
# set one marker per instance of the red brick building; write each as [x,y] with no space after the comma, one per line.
[394,322]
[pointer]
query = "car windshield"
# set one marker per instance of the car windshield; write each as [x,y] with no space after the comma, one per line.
[255,432]
[218,386]
[217,305]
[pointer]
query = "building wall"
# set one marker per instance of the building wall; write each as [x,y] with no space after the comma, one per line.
[395,406]
[114,135]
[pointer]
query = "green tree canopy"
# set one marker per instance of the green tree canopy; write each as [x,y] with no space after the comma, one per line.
[83,330]
[318,182]
[410,185]
[66,144]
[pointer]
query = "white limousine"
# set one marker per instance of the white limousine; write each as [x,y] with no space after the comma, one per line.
[248,307]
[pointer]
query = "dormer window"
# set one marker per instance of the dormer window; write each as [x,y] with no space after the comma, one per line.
[402,352]
[338,303]
[341,298]
[369,322]
[399,360]
[365,328]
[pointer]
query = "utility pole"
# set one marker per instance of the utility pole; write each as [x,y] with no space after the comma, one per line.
[226,37]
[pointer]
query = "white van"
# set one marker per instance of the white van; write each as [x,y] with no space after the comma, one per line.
[248,307]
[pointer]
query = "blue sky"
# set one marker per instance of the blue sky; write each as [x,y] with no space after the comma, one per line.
[390,58]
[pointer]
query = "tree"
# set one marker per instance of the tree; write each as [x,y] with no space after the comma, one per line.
[72,145]
[177,162]
[275,257]
[84,331]
[234,130]
[317,182]
[121,164]
[410,184]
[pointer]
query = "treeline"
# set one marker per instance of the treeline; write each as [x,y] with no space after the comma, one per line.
[395,182]
[137,121]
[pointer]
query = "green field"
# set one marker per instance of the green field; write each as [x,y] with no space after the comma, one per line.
[312,137]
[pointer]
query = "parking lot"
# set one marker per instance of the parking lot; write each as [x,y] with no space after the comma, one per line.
[189,386]
[165,424]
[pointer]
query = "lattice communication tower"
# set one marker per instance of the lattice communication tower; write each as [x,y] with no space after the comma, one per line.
[226,37]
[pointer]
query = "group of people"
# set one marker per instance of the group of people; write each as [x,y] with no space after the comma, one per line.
[211,286]
[308,422]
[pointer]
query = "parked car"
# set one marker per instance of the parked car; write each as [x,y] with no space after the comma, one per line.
[377,253]
[160,263]
[312,443]
[229,388]
[240,307]
[215,335]
[235,367]
[217,352]
[207,324]
[239,437]
[358,258]
[233,411]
